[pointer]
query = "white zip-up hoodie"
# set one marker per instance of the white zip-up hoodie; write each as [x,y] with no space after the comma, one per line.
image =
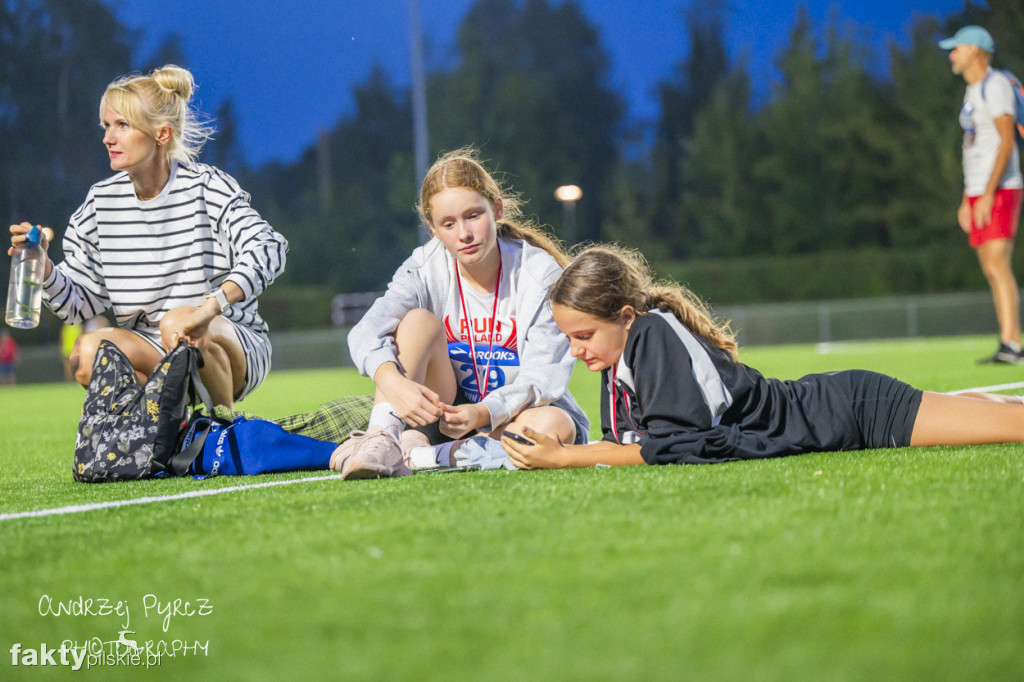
[427,280]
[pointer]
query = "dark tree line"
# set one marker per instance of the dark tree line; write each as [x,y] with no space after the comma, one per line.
[836,157]
[531,91]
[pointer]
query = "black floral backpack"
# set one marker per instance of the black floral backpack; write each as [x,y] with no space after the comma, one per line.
[130,431]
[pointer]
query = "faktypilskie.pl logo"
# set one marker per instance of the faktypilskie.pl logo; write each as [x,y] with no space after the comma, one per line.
[124,649]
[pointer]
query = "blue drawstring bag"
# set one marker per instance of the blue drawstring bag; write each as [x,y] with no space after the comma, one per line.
[247,447]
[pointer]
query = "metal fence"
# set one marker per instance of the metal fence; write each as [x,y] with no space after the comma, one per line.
[859,319]
[757,325]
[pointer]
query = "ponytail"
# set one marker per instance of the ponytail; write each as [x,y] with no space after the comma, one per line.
[603,279]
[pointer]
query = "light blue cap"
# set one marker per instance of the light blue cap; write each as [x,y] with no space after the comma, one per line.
[35,235]
[970,35]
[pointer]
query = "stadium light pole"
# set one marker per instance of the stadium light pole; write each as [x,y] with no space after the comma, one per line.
[569,195]
[419,102]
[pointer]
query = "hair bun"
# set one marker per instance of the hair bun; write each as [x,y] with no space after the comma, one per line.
[176,80]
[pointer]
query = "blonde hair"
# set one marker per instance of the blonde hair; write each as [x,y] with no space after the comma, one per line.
[462,168]
[163,97]
[605,278]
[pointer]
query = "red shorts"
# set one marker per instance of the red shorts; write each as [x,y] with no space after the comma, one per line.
[1005,216]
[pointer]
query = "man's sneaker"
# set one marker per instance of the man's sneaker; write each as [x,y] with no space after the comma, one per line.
[373,453]
[1005,355]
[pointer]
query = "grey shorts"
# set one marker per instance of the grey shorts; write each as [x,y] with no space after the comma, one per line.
[255,345]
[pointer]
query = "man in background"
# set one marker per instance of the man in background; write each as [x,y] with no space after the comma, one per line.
[990,208]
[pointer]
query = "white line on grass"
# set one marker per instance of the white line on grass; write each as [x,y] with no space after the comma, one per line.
[989,389]
[77,508]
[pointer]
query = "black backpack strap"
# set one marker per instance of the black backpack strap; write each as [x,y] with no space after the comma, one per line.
[167,458]
[181,462]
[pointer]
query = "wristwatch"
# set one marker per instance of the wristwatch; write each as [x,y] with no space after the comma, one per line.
[222,299]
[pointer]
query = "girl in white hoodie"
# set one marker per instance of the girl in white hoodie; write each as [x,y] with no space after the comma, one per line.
[463,340]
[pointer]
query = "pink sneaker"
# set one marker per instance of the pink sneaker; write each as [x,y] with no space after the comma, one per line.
[373,453]
[412,439]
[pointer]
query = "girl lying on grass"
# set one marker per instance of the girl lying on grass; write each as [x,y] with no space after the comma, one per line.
[674,391]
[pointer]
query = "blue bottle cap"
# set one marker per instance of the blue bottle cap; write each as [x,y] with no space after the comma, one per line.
[35,235]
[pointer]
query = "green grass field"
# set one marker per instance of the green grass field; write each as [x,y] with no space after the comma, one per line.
[888,565]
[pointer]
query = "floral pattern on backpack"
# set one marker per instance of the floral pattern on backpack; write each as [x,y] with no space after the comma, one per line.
[129,431]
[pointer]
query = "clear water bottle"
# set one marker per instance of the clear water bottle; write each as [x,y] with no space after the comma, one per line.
[25,291]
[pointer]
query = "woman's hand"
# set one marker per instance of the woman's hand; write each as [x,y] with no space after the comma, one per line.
[983,210]
[458,420]
[18,237]
[546,453]
[413,403]
[19,231]
[189,323]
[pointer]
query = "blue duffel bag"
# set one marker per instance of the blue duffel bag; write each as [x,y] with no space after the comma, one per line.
[245,447]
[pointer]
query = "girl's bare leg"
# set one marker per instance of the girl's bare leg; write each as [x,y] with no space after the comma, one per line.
[422,349]
[548,419]
[142,356]
[967,420]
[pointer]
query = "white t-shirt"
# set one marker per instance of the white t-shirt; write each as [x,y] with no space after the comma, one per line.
[981,138]
[503,356]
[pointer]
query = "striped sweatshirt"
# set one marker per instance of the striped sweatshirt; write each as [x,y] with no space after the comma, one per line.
[142,258]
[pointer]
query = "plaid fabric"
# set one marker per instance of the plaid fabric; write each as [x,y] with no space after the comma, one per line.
[334,421]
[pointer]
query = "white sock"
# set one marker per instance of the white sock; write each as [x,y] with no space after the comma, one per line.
[383,415]
[427,456]
[422,457]
[1013,345]
[431,456]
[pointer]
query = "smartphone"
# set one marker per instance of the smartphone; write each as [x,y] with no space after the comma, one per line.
[446,470]
[517,438]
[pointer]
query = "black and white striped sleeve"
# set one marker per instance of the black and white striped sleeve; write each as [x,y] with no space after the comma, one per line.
[258,252]
[76,289]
